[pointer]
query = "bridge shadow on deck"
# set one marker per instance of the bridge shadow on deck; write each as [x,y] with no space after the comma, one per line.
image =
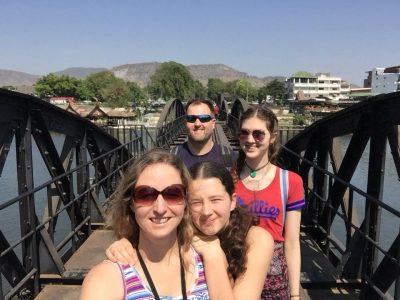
[318,276]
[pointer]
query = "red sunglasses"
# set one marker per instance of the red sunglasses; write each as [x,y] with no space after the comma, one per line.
[258,135]
[146,195]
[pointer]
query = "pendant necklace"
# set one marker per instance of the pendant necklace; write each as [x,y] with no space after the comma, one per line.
[150,281]
[253,172]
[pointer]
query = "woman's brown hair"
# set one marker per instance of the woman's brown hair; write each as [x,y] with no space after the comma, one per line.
[121,217]
[271,122]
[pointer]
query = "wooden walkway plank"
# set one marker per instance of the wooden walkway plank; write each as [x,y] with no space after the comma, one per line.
[89,254]
[60,292]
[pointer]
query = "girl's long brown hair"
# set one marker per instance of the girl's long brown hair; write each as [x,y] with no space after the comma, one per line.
[271,122]
[233,236]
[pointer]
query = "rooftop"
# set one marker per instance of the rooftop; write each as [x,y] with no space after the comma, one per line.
[303,74]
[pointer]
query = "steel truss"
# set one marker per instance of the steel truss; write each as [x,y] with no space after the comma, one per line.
[372,125]
[83,172]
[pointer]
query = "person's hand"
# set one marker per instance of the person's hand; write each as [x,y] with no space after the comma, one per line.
[122,251]
[206,245]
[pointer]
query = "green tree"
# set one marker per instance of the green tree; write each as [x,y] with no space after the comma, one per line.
[215,86]
[171,80]
[198,90]
[116,94]
[262,94]
[54,85]
[231,90]
[137,95]
[96,84]
[276,89]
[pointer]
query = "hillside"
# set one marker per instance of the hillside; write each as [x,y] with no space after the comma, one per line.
[79,72]
[15,78]
[140,73]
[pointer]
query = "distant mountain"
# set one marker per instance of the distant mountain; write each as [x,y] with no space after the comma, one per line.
[80,73]
[141,73]
[14,78]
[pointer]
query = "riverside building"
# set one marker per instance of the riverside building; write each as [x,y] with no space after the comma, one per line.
[304,85]
[383,80]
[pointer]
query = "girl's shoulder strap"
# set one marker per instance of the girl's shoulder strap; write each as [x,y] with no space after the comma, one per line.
[284,187]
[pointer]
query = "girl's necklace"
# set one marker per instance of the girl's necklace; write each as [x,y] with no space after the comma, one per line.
[253,172]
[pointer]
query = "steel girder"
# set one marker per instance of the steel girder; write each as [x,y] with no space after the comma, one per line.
[171,123]
[374,122]
[31,122]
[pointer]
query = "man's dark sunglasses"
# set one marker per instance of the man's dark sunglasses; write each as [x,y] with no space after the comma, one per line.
[202,118]
[258,135]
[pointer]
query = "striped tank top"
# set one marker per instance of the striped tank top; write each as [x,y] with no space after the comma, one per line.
[135,289]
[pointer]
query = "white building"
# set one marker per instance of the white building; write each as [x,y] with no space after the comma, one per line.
[383,80]
[304,85]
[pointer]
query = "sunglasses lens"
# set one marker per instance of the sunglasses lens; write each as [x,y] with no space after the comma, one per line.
[174,194]
[243,134]
[258,135]
[145,195]
[191,118]
[205,118]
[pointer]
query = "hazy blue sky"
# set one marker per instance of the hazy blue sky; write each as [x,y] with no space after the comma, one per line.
[259,37]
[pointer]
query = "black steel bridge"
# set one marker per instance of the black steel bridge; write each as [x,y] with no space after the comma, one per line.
[58,171]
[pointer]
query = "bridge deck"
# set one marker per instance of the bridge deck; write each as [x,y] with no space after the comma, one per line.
[316,270]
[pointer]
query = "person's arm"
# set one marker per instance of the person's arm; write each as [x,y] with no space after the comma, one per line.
[122,251]
[292,250]
[250,284]
[215,267]
[261,247]
[103,282]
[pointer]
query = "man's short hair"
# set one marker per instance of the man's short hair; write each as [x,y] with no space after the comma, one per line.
[200,101]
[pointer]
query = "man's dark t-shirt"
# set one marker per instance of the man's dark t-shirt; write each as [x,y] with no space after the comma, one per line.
[215,154]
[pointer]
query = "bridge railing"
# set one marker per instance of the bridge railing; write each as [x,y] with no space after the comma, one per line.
[127,133]
[57,170]
[357,229]
[73,202]
[169,131]
[338,249]
[171,123]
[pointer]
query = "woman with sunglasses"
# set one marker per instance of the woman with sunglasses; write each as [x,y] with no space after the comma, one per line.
[272,194]
[150,211]
[226,232]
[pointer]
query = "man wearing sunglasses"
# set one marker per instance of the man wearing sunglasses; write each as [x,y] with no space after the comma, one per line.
[200,125]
